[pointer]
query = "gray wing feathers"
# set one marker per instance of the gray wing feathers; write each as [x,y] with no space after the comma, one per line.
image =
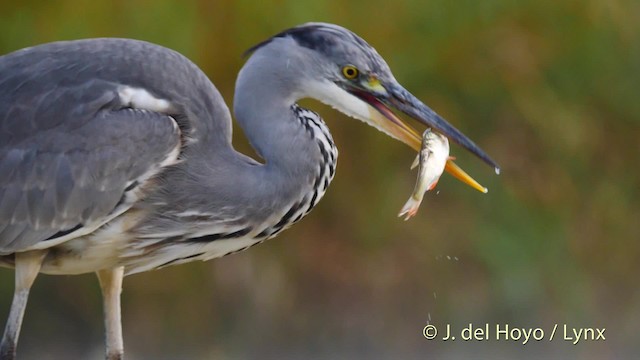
[67,154]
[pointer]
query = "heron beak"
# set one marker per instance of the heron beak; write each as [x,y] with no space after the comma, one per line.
[378,96]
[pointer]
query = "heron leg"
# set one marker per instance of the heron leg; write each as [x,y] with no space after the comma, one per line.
[27,267]
[111,285]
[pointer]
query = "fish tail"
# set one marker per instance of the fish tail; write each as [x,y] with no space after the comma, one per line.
[410,209]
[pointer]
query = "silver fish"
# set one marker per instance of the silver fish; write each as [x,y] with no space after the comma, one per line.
[431,160]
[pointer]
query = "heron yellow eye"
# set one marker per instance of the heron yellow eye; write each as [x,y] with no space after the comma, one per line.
[350,72]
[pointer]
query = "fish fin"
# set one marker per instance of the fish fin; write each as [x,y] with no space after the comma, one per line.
[433,185]
[416,161]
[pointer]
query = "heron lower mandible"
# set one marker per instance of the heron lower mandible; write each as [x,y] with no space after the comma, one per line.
[116,155]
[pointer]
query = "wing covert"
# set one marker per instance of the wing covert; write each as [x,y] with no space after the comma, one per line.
[68,154]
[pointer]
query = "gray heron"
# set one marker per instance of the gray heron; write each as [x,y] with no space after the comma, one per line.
[116,154]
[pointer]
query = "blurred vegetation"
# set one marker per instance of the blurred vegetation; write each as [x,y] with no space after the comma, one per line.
[549,89]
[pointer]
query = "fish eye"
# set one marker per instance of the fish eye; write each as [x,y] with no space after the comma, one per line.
[350,72]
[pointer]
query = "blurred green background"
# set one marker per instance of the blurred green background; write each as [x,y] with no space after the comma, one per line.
[549,88]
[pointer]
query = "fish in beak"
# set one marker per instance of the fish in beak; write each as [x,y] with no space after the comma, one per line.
[382,97]
[431,162]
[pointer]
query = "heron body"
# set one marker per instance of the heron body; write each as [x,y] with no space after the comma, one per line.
[144,219]
[116,154]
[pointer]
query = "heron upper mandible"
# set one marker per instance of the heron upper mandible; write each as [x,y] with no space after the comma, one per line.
[116,154]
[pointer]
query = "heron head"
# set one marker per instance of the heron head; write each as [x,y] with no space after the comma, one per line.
[345,72]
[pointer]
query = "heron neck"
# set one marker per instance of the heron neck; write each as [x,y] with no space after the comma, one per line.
[264,97]
[298,152]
